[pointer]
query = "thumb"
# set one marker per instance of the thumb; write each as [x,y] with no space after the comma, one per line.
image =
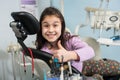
[60,45]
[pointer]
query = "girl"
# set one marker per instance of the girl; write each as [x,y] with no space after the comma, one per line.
[53,38]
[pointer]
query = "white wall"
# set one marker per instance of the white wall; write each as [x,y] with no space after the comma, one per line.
[6,35]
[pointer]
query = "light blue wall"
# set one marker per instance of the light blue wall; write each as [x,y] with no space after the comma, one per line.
[74,14]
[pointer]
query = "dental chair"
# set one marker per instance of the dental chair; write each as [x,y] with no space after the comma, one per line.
[95,45]
[25,24]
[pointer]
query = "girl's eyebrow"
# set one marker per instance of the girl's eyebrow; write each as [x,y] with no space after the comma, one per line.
[56,21]
[44,22]
[47,22]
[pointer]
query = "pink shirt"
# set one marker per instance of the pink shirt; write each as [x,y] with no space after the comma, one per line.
[84,51]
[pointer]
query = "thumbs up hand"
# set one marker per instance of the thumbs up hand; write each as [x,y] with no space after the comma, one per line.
[61,52]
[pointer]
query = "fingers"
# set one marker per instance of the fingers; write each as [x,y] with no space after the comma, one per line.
[59,52]
[60,59]
[60,45]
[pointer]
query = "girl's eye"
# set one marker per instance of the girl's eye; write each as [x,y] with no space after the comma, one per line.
[55,25]
[45,25]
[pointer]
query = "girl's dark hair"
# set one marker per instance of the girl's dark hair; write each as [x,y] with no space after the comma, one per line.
[50,11]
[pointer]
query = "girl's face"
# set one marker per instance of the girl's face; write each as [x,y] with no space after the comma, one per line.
[51,28]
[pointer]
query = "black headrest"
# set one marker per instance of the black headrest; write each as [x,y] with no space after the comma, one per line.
[27,20]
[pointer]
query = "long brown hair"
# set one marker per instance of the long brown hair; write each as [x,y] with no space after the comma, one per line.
[50,11]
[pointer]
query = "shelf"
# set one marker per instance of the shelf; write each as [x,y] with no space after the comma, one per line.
[106,41]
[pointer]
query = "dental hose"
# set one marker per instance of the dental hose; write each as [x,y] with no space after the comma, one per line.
[31,54]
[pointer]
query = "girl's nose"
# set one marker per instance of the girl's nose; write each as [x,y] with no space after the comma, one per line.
[51,29]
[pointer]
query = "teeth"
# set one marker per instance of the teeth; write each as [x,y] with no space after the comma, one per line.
[51,35]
